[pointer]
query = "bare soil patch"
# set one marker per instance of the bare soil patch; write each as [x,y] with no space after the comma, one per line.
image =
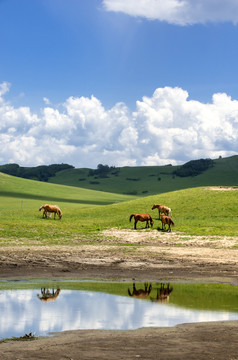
[126,255]
[223,188]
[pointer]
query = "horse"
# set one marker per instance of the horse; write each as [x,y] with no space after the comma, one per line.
[166,220]
[51,209]
[163,294]
[47,295]
[142,217]
[140,293]
[162,209]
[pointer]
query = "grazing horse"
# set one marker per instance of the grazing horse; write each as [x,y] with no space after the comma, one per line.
[142,217]
[163,294]
[166,220]
[51,209]
[47,295]
[162,209]
[140,293]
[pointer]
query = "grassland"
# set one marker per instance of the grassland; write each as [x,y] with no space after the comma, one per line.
[196,211]
[150,180]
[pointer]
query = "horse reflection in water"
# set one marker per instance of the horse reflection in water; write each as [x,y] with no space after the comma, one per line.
[140,293]
[48,294]
[163,294]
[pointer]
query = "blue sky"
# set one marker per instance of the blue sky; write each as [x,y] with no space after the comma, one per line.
[136,82]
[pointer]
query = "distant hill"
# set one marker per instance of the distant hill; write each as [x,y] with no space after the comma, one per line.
[139,180]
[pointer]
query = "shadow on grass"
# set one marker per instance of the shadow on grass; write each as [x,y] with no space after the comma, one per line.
[52,198]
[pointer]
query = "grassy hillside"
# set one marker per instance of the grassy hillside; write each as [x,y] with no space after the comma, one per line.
[195,211]
[20,189]
[149,180]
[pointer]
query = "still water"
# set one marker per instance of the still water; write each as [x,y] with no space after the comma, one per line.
[43,308]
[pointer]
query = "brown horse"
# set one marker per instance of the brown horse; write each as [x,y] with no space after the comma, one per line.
[166,220]
[47,295]
[140,293]
[142,217]
[163,294]
[162,209]
[51,209]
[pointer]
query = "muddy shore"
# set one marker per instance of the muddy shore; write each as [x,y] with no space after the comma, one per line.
[168,256]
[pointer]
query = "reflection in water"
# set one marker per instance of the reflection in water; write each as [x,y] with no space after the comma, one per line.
[140,293]
[48,295]
[163,293]
[22,312]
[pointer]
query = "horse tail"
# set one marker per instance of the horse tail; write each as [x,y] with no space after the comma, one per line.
[172,223]
[132,215]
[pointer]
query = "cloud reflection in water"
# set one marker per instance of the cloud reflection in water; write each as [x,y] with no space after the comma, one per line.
[22,312]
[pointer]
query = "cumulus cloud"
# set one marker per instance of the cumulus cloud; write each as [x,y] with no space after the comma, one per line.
[179,12]
[165,128]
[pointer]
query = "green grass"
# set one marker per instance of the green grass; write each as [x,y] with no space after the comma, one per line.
[196,211]
[22,190]
[151,180]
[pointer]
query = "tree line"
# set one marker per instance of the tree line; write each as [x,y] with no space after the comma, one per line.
[41,173]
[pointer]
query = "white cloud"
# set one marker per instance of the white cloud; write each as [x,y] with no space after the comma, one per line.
[4,88]
[165,128]
[179,12]
[46,100]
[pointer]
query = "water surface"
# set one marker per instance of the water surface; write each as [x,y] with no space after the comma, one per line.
[43,308]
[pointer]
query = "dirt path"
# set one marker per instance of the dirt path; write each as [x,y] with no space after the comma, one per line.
[129,254]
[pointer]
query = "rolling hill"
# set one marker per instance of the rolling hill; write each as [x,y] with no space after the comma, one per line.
[139,180]
[150,180]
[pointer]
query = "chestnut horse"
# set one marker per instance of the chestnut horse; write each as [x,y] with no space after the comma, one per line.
[51,209]
[140,293]
[162,209]
[48,295]
[166,220]
[163,293]
[142,217]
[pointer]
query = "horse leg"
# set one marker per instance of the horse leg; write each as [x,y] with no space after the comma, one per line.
[135,224]
[147,224]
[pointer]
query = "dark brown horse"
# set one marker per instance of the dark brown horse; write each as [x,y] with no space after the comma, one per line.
[163,294]
[166,220]
[142,217]
[140,293]
[162,209]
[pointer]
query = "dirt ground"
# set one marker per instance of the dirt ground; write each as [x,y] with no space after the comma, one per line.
[125,255]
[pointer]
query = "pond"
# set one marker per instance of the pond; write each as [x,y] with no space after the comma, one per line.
[42,307]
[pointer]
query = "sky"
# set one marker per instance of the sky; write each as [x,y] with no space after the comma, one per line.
[118,82]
